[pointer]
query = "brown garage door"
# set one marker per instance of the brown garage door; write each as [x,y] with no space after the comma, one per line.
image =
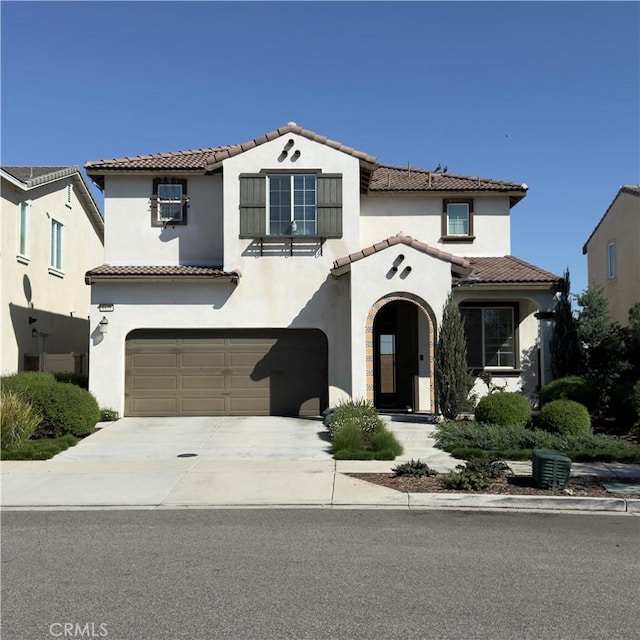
[226,372]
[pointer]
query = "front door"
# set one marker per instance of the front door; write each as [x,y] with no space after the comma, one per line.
[395,333]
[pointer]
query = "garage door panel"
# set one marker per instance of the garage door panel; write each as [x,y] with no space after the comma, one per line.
[154,406]
[154,382]
[203,382]
[202,406]
[226,372]
[202,359]
[154,360]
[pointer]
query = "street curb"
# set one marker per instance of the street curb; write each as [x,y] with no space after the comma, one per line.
[547,503]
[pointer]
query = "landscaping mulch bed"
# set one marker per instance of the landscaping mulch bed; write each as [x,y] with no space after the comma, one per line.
[586,486]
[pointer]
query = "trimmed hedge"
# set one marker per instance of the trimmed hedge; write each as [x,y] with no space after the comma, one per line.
[570,388]
[565,417]
[65,408]
[79,379]
[503,408]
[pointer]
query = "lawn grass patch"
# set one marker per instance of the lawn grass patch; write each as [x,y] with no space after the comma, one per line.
[41,449]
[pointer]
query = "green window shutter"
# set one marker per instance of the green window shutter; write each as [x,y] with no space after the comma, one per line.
[329,206]
[253,206]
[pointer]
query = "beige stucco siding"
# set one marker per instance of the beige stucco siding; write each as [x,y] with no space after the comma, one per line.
[622,226]
[130,238]
[58,300]
[420,216]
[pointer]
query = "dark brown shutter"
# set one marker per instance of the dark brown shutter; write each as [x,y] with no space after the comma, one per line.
[329,192]
[253,206]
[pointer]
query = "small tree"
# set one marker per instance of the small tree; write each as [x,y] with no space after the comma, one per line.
[453,381]
[566,354]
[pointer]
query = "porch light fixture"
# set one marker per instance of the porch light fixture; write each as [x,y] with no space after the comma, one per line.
[34,333]
[32,319]
[103,325]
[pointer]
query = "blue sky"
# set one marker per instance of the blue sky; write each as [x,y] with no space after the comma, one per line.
[546,93]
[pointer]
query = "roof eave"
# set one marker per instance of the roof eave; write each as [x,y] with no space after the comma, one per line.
[137,278]
[508,286]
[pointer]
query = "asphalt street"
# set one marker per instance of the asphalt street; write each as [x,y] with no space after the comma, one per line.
[321,574]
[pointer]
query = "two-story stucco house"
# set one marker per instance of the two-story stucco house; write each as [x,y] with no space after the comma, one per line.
[51,233]
[281,275]
[613,253]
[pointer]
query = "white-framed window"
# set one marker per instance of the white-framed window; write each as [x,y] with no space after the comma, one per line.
[68,195]
[292,204]
[169,202]
[55,256]
[491,338]
[611,259]
[23,230]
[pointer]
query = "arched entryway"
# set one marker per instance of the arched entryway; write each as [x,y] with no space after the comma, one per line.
[399,339]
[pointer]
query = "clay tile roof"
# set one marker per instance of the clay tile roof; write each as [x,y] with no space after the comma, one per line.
[193,159]
[401,238]
[505,269]
[390,178]
[291,127]
[160,271]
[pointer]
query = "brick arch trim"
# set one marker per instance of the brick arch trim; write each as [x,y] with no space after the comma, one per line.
[399,296]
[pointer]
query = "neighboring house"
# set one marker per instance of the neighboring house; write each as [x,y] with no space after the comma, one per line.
[286,273]
[51,233]
[613,253]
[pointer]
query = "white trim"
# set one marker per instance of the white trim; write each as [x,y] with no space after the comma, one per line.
[56,272]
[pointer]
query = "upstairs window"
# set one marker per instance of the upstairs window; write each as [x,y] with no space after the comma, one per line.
[169,202]
[457,219]
[292,205]
[23,244]
[490,336]
[611,259]
[55,252]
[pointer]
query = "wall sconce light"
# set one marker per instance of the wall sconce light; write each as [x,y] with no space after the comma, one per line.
[103,325]
[32,319]
[34,333]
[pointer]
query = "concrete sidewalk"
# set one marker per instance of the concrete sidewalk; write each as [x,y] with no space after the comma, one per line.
[246,468]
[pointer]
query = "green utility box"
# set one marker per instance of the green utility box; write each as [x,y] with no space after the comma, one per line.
[551,469]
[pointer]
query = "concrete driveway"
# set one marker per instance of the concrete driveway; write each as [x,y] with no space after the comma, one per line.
[213,438]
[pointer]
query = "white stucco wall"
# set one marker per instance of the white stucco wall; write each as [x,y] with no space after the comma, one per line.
[420,216]
[60,301]
[130,239]
[371,280]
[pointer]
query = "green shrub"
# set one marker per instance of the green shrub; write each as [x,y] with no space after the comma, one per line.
[385,445]
[65,408]
[469,439]
[622,408]
[18,420]
[108,415]
[570,388]
[413,469]
[358,412]
[475,475]
[349,436]
[636,398]
[79,379]
[503,408]
[565,417]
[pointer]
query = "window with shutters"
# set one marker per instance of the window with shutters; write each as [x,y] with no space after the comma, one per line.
[169,202]
[301,204]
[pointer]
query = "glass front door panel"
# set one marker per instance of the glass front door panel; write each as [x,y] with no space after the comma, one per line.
[387,364]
